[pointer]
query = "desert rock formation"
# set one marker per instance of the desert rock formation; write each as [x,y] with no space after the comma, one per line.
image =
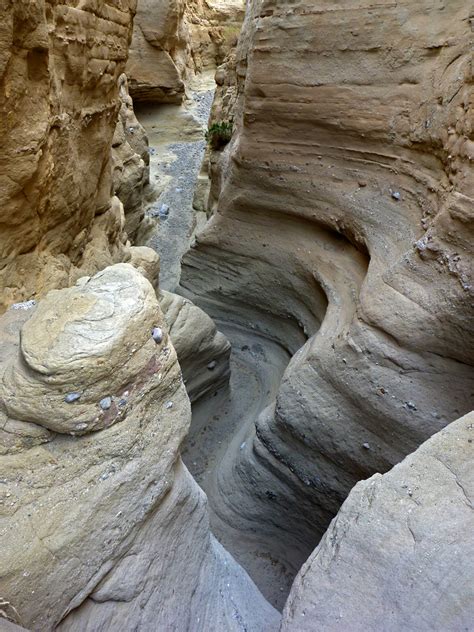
[94,494]
[314,373]
[405,532]
[174,39]
[59,68]
[343,218]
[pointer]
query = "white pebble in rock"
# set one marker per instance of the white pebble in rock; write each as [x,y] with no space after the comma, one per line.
[366,446]
[157,335]
[72,397]
[212,365]
[105,403]
[410,406]
[396,195]
[169,405]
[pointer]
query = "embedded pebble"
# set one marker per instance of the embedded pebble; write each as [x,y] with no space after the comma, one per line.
[24,306]
[410,406]
[212,365]
[396,195]
[72,397]
[169,405]
[157,334]
[366,446]
[105,403]
[82,426]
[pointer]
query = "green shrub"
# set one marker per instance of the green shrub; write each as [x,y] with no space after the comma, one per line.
[219,134]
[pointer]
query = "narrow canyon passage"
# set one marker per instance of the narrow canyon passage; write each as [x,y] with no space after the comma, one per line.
[236,325]
[223,419]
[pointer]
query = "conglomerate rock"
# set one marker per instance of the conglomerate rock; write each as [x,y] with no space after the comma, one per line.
[59,70]
[100,523]
[344,209]
[399,554]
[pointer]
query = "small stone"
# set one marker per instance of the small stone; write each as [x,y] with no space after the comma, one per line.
[164,210]
[212,365]
[396,195]
[362,183]
[24,306]
[366,446]
[105,403]
[410,406]
[157,334]
[72,397]
[169,405]
[80,427]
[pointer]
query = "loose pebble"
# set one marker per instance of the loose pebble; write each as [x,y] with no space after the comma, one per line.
[169,405]
[410,406]
[396,195]
[212,365]
[366,446]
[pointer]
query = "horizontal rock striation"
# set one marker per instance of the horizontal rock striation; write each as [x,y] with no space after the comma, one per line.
[398,556]
[59,70]
[94,495]
[343,205]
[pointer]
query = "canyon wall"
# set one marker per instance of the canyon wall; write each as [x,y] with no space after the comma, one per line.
[93,492]
[342,228]
[174,39]
[60,65]
[398,556]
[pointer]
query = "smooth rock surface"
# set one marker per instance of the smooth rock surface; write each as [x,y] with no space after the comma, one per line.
[336,109]
[95,500]
[400,553]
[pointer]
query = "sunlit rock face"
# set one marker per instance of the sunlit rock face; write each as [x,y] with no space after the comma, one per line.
[174,39]
[94,496]
[348,178]
[59,99]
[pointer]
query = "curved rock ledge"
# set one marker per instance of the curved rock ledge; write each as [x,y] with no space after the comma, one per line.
[343,204]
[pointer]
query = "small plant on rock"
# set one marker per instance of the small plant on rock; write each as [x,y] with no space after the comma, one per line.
[219,134]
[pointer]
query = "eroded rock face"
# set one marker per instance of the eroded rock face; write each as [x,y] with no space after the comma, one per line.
[173,39]
[203,351]
[395,537]
[349,178]
[130,163]
[94,496]
[59,69]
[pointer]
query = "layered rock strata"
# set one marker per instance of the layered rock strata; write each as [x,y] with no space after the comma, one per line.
[94,494]
[59,69]
[172,40]
[344,207]
[130,163]
[398,556]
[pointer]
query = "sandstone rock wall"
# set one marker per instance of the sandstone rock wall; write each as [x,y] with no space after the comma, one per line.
[59,67]
[344,205]
[398,556]
[173,39]
[94,495]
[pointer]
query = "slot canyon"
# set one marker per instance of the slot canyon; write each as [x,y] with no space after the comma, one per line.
[236,316]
